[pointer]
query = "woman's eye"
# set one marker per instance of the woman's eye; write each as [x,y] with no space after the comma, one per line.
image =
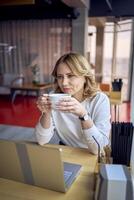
[71,76]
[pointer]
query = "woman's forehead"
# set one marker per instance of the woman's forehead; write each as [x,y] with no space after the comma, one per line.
[63,68]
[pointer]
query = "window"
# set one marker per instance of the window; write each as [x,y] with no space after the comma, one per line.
[92,44]
[117,42]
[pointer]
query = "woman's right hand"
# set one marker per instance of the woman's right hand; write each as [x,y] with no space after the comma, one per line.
[44,104]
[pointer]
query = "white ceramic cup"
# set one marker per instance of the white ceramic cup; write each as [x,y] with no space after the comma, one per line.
[56,97]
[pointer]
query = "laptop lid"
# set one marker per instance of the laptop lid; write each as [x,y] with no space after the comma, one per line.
[33,164]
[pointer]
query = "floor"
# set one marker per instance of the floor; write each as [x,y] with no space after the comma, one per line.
[23,112]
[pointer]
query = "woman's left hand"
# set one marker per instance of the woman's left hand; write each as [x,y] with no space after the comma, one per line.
[71,105]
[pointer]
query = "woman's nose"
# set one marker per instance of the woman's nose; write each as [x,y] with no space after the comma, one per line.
[65,81]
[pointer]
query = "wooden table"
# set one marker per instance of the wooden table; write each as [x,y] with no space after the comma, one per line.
[82,188]
[29,87]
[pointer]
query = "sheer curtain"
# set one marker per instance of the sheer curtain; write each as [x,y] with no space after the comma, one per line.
[27,42]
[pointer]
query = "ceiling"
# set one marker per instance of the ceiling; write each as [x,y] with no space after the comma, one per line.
[47,9]
[34,9]
[117,8]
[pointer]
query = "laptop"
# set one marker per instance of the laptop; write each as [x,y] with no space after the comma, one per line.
[37,165]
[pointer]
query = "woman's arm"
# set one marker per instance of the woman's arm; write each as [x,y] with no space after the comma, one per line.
[44,129]
[100,129]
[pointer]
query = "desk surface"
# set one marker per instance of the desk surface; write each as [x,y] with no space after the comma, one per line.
[82,188]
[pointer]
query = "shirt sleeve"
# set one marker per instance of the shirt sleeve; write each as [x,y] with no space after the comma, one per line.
[43,135]
[98,134]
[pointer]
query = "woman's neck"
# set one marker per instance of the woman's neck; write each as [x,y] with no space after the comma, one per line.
[79,96]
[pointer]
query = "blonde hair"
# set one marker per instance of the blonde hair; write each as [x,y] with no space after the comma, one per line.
[79,66]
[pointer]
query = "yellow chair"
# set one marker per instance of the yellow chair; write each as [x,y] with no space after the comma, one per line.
[115,100]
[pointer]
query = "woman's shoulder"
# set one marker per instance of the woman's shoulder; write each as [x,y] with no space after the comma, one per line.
[99,101]
[100,96]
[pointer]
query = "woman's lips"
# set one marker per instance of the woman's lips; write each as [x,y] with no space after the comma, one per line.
[66,90]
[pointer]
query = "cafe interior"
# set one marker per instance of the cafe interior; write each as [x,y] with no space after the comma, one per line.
[33,35]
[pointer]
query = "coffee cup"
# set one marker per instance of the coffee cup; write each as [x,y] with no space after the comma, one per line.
[56,97]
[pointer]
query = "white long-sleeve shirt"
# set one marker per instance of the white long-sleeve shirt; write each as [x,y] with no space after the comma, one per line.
[68,125]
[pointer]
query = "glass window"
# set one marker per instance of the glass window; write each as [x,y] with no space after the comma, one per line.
[123,54]
[92,44]
[107,53]
[117,50]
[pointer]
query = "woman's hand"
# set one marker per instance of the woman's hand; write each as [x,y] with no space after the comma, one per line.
[71,105]
[44,104]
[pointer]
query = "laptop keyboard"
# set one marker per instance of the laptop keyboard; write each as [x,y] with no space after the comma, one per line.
[67,175]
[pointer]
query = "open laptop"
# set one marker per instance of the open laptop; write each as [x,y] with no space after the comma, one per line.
[33,164]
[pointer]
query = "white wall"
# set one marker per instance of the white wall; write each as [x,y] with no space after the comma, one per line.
[132,119]
[132,105]
[132,99]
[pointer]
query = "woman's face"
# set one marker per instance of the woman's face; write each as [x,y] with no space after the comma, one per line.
[68,82]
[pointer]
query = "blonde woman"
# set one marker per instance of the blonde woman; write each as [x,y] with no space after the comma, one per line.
[82,120]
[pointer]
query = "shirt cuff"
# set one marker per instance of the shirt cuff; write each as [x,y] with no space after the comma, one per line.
[89,133]
[41,130]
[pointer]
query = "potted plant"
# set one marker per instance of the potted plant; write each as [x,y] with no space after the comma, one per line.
[35,72]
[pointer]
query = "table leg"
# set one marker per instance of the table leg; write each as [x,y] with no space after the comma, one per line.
[118,113]
[13,95]
[38,93]
[115,112]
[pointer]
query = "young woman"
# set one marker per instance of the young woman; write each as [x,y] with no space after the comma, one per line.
[82,120]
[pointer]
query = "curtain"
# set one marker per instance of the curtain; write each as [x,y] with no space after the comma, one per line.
[24,43]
